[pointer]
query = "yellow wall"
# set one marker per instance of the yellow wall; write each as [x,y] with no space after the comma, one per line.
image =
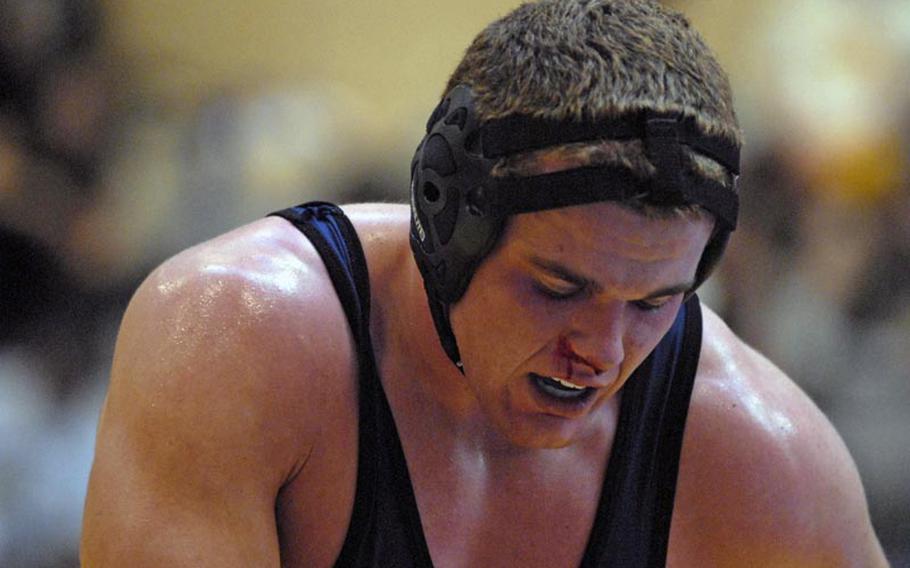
[398,52]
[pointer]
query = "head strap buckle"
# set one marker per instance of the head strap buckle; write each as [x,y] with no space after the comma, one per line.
[663,135]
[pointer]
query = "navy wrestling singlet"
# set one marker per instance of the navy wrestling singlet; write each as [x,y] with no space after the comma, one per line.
[632,526]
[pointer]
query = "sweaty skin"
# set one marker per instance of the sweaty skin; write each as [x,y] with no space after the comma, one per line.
[229,434]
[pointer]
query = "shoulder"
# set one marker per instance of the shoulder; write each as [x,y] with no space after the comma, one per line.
[258,290]
[233,367]
[764,477]
[235,333]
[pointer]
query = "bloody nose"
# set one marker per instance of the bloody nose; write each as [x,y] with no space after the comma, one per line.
[565,352]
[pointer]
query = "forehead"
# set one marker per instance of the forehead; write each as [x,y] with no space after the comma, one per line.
[592,238]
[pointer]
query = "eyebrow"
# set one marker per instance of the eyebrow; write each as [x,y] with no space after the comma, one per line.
[567,274]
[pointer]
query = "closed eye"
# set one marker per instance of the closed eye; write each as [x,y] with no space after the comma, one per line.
[652,304]
[558,292]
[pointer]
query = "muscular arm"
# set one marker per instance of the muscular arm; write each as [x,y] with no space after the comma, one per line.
[765,480]
[204,420]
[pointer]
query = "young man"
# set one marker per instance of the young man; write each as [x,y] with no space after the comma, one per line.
[515,372]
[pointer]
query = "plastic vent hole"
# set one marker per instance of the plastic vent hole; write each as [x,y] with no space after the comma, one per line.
[458,118]
[431,192]
[439,112]
[477,202]
[472,142]
[445,220]
[438,157]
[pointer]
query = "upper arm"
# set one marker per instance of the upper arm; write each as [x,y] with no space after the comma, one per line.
[765,480]
[204,421]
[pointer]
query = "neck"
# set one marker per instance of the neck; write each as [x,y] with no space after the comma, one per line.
[416,369]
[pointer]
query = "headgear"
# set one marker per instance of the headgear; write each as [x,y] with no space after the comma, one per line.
[459,209]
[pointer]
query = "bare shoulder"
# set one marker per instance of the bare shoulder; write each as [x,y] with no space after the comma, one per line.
[212,405]
[247,311]
[765,480]
[383,231]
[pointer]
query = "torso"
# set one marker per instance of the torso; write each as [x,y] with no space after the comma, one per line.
[261,383]
[528,509]
[525,507]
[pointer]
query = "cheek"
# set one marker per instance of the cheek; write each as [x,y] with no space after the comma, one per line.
[547,311]
[504,325]
[647,331]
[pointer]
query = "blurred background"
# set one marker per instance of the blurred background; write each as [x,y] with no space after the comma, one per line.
[132,129]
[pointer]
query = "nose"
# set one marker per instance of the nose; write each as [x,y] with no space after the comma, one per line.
[597,334]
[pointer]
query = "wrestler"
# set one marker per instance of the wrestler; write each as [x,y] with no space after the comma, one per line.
[515,370]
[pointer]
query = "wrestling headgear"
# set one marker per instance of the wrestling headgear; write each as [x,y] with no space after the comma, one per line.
[458,209]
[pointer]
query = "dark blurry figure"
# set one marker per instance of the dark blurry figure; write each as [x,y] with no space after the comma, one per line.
[55,122]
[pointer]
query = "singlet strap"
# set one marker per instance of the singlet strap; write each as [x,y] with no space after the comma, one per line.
[633,523]
[334,238]
[665,468]
[382,472]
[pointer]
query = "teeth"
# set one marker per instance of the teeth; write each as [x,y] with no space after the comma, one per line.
[566,384]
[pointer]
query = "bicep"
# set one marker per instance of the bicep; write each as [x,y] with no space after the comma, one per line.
[764,477]
[142,505]
[193,443]
[844,526]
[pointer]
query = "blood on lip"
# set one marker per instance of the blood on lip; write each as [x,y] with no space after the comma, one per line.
[567,353]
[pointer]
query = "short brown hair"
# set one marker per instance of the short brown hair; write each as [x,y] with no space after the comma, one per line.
[595,59]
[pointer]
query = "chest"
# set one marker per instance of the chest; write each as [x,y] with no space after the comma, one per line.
[476,515]
[469,512]
[506,506]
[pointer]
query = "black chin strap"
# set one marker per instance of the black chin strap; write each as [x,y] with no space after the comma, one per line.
[440,313]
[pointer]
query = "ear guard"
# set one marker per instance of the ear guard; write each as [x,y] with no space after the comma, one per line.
[458,209]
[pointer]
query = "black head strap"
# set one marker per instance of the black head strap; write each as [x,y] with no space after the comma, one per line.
[521,133]
[673,184]
[611,183]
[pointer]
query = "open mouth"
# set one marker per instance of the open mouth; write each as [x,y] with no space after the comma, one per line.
[560,389]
